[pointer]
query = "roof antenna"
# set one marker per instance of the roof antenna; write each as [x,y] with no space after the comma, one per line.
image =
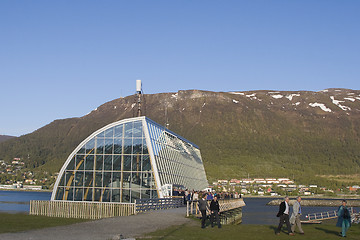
[138,93]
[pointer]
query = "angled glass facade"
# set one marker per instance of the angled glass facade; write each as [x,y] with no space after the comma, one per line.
[127,160]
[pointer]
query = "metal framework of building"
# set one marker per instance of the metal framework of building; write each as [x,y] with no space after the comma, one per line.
[131,159]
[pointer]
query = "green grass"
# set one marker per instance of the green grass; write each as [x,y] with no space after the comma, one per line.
[24,222]
[242,231]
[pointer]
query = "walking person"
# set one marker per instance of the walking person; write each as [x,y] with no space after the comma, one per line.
[295,216]
[203,206]
[215,208]
[344,218]
[284,216]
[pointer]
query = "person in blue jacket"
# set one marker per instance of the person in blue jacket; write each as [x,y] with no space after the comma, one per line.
[344,218]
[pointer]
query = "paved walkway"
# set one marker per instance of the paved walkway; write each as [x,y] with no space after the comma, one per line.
[107,229]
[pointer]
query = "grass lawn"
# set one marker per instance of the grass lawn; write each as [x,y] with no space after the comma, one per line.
[24,222]
[242,231]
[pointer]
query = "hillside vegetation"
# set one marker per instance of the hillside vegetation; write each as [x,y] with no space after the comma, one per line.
[305,135]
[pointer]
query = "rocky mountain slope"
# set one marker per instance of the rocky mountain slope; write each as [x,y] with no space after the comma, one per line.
[299,134]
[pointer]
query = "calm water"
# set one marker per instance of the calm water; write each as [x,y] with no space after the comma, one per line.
[255,212]
[19,201]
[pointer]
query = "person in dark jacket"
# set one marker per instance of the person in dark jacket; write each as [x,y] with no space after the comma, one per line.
[215,208]
[344,218]
[283,213]
[203,206]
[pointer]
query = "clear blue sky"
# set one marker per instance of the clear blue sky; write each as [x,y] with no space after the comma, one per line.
[62,59]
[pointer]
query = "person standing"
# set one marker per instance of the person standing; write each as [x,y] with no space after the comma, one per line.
[344,218]
[284,216]
[295,216]
[215,208]
[203,206]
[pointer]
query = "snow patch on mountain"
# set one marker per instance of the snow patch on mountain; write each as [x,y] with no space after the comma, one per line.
[278,96]
[234,101]
[337,103]
[291,96]
[251,96]
[350,99]
[238,93]
[174,95]
[321,105]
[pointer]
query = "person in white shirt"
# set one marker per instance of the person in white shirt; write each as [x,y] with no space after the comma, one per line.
[284,216]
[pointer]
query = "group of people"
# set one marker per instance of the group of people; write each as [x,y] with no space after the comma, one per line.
[343,213]
[214,209]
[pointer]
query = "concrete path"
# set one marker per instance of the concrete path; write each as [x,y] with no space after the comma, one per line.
[107,229]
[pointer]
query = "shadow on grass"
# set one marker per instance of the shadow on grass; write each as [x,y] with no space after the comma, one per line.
[328,231]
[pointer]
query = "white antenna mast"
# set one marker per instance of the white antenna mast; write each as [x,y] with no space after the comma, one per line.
[138,93]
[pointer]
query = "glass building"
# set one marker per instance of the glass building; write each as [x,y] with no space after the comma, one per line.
[127,160]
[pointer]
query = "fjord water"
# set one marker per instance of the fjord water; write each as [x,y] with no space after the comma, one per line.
[19,201]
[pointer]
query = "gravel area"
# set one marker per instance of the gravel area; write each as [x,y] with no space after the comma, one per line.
[109,228]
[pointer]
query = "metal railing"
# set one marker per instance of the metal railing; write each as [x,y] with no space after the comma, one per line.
[143,205]
[324,215]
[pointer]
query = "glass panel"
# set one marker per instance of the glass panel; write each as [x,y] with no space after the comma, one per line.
[128,129]
[137,130]
[127,163]
[97,194]
[145,149]
[118,131]
[59,193]
[89,177]
[80,162]
[126,180]
[127,145]
[146,180]
[135,180]
[146,165]
[136,163]
[115,195]
[117,145]
[125,195]
[145,194]
[88,193]
[109,145]
[79,192]
[117,163]
[89,164]
[108,162]
[137,145]
[90,145]
[99,162]
[98,179]
[79,178]
[100,143]
[71,165]
[109,133]
[107,179]
[70,194]
[62,181]
[106,195]
[69,177]
[116,178]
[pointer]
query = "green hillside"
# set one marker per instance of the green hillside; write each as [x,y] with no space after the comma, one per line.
[261,133]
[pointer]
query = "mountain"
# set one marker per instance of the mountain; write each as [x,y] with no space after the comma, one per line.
[5,137]
[302,134]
